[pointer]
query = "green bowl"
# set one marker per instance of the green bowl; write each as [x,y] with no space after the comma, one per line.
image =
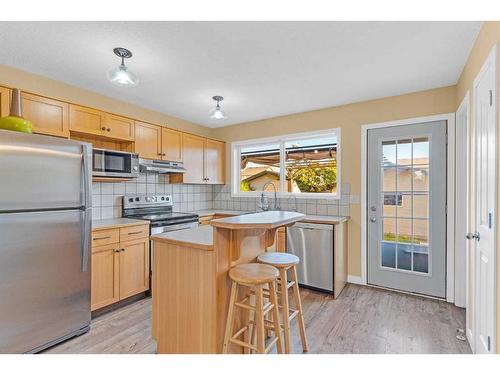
[16,124]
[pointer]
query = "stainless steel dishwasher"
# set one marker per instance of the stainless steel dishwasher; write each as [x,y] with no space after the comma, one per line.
[313,244]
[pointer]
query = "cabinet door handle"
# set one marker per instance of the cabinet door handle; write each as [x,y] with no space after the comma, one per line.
[163,154]
[101,238]
[135,232]
[160,154]
[122,249]
[103,128]
[108,129]
[117,250]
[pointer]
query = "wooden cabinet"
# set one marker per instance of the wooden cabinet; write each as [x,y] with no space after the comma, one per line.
[157,142]
[120,264]
[94,122]
[85,120]
[118,127]
[49,116]
[215,162]
[105,267]
[4,101]
[193,148]
[171,145]
[281,239]
[148,141]
[204,160]
[134,267]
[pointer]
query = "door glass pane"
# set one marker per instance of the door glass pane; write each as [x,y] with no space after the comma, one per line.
[404,256]
[404,179]
[421,232]
[421,178]
[420,262]
[404,231]
[260,166]
[390,202]
[389,153]
[421,205]
[388,245]
[404,151]
[389,225]
[405,205]
[420,151]
[388,179]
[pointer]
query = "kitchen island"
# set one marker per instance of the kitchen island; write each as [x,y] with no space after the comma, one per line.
[190,277]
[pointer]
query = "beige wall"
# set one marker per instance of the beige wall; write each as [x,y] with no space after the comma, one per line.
[487,38]
[55,89]
[349,118]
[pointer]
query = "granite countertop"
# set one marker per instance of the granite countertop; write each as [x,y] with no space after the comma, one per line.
[116,223]
[264,220]
[201,237]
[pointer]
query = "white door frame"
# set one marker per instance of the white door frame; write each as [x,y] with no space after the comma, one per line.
[450,194]
[462,197]
[491,59]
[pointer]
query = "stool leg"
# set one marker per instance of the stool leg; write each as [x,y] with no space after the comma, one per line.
[259,320]
[246,319]
[276,321]
[285,310]
[230,318]
[298,305]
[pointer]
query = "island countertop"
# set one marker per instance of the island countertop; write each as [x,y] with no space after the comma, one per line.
[201,237]
[263,220]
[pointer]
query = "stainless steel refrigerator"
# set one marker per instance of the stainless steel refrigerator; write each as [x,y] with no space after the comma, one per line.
[45,225]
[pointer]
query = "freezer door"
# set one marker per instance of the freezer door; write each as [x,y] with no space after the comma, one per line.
[40,172]
[44,278]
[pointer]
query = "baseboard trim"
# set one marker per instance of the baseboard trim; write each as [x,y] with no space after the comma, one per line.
[355,280]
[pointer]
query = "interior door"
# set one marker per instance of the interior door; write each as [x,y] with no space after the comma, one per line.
[407,208]
[485,153]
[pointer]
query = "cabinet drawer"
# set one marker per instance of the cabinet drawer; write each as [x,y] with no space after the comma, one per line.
[105,237]
[133,233]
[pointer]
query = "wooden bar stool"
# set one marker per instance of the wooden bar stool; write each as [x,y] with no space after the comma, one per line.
[255,276]
[285,262]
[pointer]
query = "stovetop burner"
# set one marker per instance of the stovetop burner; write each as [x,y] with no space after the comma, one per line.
[155,208]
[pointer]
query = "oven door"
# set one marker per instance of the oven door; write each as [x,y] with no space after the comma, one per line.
[110,163]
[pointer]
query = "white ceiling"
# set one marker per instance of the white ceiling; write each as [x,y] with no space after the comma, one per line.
[263,69]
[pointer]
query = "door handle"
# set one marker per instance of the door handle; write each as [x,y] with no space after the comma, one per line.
[473,236]
[373,219]
[85,244]
[134,232]
[101,238]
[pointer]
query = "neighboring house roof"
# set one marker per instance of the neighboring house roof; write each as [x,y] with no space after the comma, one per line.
[262,173]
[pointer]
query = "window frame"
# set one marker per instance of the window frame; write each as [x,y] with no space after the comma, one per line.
[236,167]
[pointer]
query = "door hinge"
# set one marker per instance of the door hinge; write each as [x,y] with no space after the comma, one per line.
[491,98]
[489,343]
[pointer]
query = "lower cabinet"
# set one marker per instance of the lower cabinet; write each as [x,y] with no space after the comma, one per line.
[120,265]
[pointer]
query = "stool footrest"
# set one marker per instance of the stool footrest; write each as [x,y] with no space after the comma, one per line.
[271,343]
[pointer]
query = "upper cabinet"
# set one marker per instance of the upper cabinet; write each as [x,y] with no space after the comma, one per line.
[171,145]
[4,101]
[92,121]
[48,116]
[204,160]
[148,140]
[157,142]
[215,162]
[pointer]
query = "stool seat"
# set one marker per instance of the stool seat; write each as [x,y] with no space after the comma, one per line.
[278,259]
[253,273]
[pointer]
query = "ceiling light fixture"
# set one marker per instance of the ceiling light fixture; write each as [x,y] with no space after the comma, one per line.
[120,75]
[217,113]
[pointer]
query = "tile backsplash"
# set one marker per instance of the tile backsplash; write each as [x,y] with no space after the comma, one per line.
[329,207]
[107,196]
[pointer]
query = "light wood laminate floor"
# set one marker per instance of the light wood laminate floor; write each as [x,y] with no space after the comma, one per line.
[362,320]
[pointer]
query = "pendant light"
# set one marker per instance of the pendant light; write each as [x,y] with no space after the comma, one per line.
[121,75]
[217,113]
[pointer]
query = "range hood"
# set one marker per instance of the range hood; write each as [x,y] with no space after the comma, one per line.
[161,166]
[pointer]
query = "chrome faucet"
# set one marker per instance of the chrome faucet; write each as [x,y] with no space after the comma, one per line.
[263,204]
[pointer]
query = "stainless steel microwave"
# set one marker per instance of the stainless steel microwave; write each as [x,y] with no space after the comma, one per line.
[110,163]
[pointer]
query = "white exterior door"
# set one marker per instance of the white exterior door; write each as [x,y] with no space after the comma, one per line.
[485,153]
[406,211]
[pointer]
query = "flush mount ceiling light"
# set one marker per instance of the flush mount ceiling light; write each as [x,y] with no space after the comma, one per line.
[217,113]
[120,75]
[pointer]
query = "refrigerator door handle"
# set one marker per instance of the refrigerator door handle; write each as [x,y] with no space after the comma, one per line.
[85,245]
[86,175]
